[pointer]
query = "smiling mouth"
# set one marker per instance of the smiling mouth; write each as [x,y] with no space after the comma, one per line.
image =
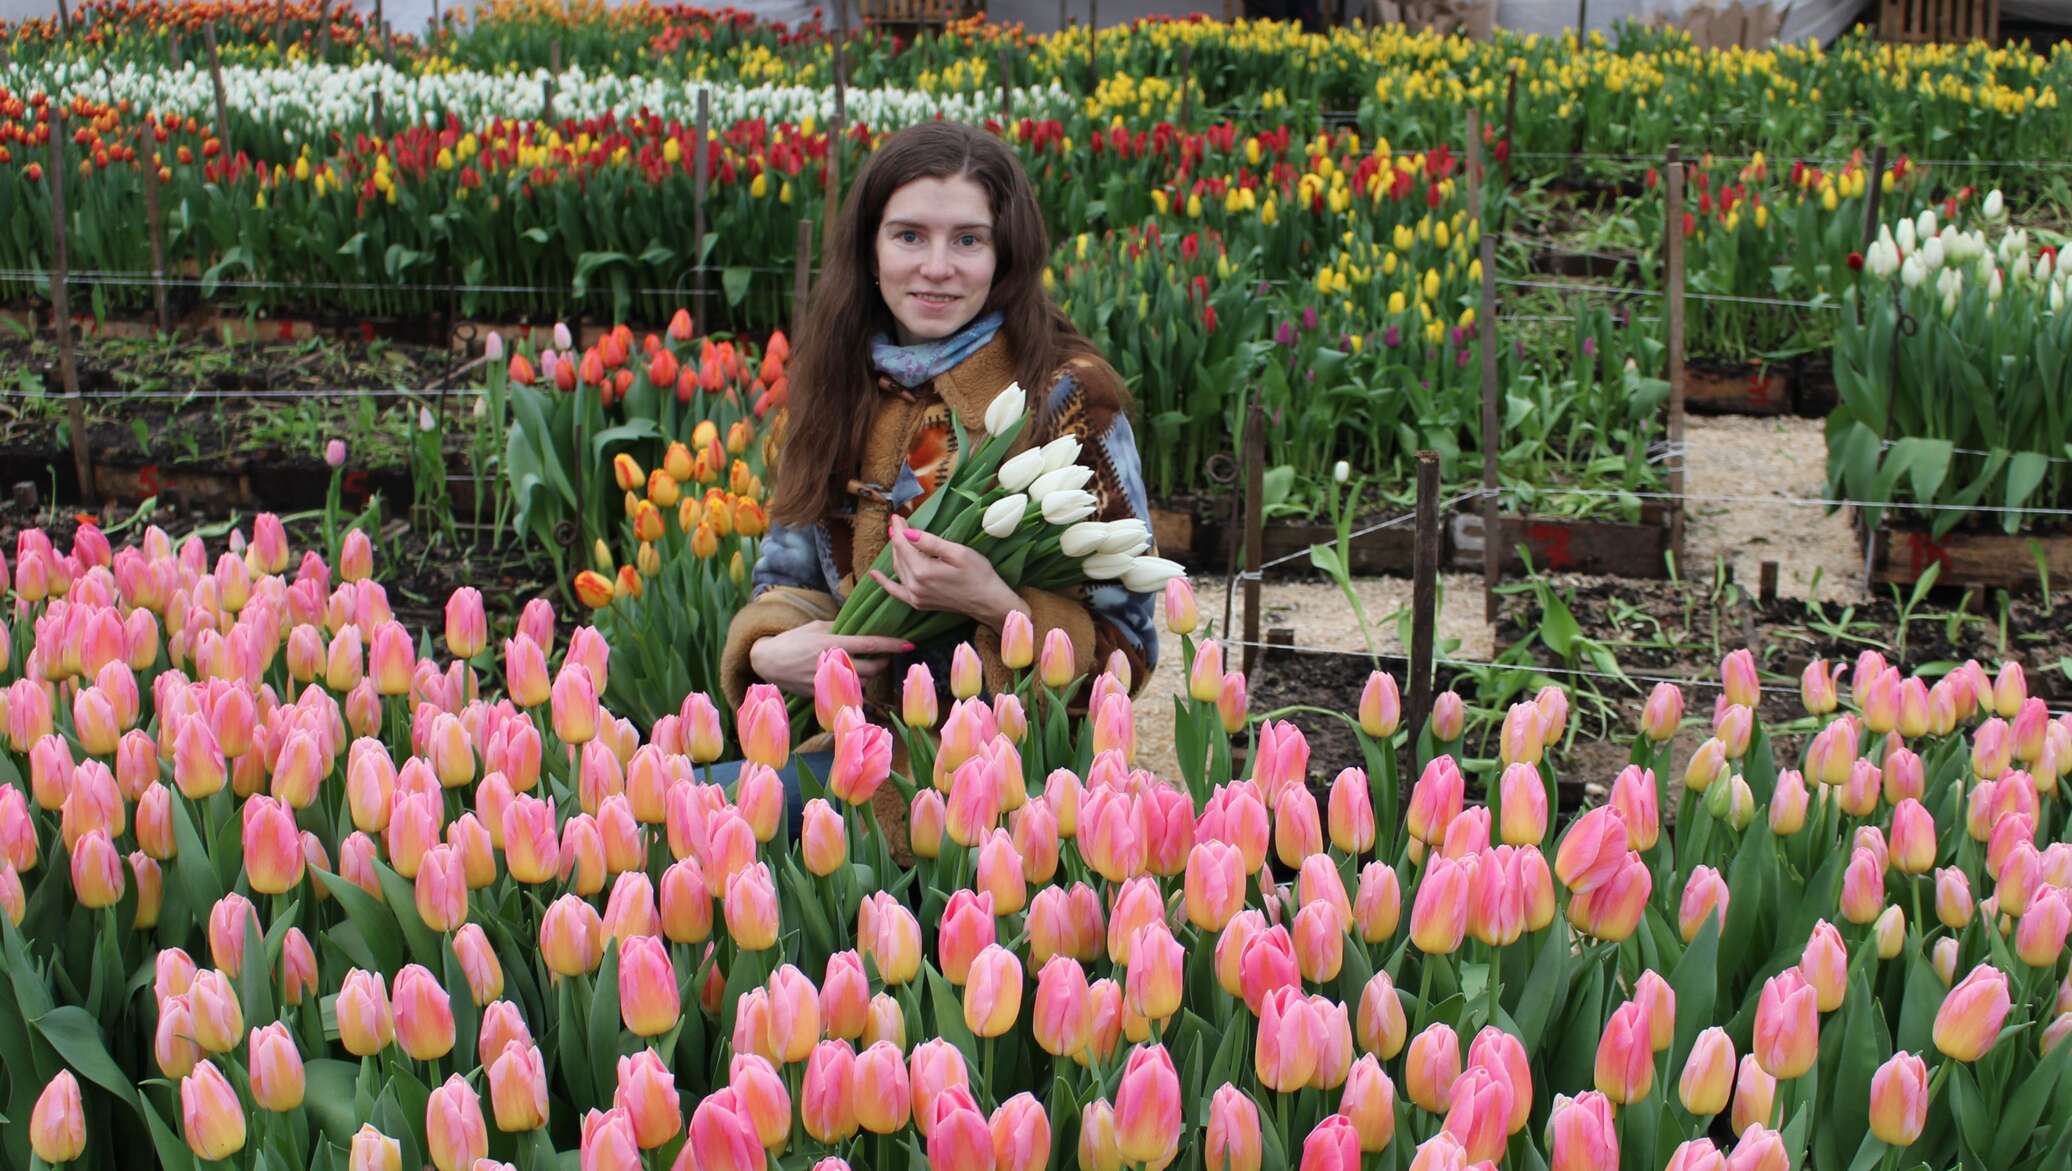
[934,298]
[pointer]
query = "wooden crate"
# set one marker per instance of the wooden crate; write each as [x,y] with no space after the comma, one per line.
[918,13]
[1939,20]
[1901,552]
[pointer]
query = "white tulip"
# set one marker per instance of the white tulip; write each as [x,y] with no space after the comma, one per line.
[1069,478]
[1083,539]
[1106,566]
[1149,574]
[1995,206]
[2020,272]
[1125,535]
[1017,473]
[1932,254]
[425,422]
[1068,507]
[1905,236]
[1882,260]
[1341,472]
[1912,271]
[1924,224]
[1006,409]
[2044,267]
[1060,452]
[1004,516]
[1993,286]
[2057,296]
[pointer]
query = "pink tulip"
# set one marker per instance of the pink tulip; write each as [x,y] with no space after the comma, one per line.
[1968,1023]
[1234,1141]
[1583,1136]
[1435,800]
[57,1126]
[1021,1133]
[1705,895]
[1430,1068]
[934,1068]
[424,1014]
[883,1097]
[211,1116]
[1759,1149]
[1438,919]
[1148,1115]
[1289,1036]
[1333,1146]
[1593,851]
[1787,1026]
[1625,1055]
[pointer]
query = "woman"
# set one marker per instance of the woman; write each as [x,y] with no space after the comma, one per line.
[930,300]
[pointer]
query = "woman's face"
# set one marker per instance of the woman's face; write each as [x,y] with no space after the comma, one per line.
[935,256]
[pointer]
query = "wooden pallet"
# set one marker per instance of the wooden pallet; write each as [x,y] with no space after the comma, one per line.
[1918,21]
[1750,389]
[918,13]
[1902,551]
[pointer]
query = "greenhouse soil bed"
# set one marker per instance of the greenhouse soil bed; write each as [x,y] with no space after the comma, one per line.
[1679,630]
[1720,387]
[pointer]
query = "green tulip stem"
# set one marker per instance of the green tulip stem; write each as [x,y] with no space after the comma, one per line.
[1424,991]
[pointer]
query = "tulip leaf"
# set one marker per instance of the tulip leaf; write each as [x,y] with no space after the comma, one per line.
[1640,1121]
[1974,1120]
[74,1033]
[173,1153]
[1924,996]
[1869,1154]
[328,1092]
[949,1017]
[377,926]
[466,1016]
[1695,981]
[255,979]
[603,1027]
[1274,1157]
[569,1047]
[1866,1043]
[734,281]
[401,898]
[2019,1116]
[1541,1000]
[191,865]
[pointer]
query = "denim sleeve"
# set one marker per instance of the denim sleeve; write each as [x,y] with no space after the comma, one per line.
[791,555]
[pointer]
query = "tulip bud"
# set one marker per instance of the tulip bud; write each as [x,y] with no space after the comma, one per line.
[1234,1141]
[1708,1073]
[211,1116]
[1787,1026]
[57,1127]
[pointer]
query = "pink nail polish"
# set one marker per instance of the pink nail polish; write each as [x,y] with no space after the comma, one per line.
[914,535]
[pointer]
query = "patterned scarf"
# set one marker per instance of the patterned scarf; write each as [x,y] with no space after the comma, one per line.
[910,366]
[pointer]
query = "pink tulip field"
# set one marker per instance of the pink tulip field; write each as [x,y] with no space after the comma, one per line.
[288,884]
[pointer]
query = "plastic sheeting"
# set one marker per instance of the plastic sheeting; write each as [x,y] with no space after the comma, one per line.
[1822,20]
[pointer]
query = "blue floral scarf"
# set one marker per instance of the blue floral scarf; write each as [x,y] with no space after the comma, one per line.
[910,366]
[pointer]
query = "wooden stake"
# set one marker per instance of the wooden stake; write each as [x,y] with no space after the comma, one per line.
[1061,15]
[1255,525]
[1424,595]
[1486,339]
[1673,267]
[380,115]
[61,305]
[1006,88]
[381,25]
[1093,43]
[65,20]
[208,32]
[154,224]
[1874,186]
[179,53]
[842,63]
[553,79]
[280,25]
[1510,119]
[701,177]
[801,275]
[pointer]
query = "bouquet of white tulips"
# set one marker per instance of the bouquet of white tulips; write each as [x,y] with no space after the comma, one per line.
[1028,515]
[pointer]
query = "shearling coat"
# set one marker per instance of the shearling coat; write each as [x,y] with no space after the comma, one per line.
[803,571]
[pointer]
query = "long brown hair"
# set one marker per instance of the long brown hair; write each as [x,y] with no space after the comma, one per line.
[833,393]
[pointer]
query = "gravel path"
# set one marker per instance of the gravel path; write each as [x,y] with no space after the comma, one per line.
[1816,551]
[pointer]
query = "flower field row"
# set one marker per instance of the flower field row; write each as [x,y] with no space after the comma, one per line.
[387,906]
[1624,95]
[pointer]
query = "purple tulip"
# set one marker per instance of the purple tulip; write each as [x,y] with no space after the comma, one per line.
[1309,318]
[1284,334]
[1589,347]
[1392,337]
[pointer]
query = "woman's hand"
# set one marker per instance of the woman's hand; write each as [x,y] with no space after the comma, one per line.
[789,660]
[935,574]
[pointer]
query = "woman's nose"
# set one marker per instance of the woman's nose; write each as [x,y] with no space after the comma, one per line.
[937,266]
